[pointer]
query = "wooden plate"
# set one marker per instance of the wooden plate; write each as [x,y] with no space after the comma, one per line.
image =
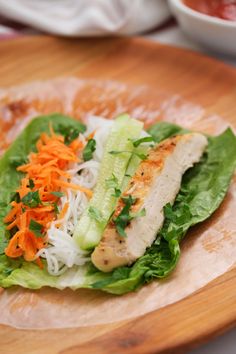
[204,81]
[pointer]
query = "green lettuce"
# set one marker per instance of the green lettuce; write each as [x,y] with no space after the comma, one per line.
[202,191]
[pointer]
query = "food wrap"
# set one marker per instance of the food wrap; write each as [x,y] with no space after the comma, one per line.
[208,250]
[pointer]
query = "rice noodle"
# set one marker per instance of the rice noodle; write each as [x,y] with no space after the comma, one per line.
[62,251]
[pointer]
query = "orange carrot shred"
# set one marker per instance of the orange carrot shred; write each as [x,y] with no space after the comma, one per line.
[63,212]
[91,135]
[43,175]
[39,262]
[74,186]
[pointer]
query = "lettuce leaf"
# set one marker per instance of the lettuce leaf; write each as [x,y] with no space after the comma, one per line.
[202,191]
[163,130]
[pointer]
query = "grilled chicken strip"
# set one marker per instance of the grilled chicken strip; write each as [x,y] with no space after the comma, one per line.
[156,182]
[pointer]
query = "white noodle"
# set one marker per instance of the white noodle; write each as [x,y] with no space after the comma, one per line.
[62,251]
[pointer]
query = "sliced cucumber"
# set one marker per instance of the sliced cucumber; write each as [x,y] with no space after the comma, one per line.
[88,231]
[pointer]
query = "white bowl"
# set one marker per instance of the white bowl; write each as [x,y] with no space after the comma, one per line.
[211,32]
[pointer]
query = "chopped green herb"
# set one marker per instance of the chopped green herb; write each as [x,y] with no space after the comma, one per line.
[129,200]
[141,156]
[7,271]
[89,150]
[31,199]
[140,141]
[31,184]
[69,133]
[17,161]
[125,216]
[16,197]
[112,182]
[56,210]
[116,152]
[58,194]
[120,229]
[95,214]
[117,192]
[36,228]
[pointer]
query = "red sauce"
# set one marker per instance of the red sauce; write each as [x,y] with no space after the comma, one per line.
[225,9]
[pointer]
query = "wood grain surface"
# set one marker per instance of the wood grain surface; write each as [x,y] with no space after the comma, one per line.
[204,81]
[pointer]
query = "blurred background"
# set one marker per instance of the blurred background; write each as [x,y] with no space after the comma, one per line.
[204,25]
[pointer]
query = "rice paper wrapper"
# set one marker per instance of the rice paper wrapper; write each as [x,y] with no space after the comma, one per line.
[208,250]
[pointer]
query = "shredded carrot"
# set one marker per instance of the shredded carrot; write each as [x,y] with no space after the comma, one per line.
[12,224]
[63,212]
[39,263]
[74,186]
[91,135]
[76,144]
[43,175]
